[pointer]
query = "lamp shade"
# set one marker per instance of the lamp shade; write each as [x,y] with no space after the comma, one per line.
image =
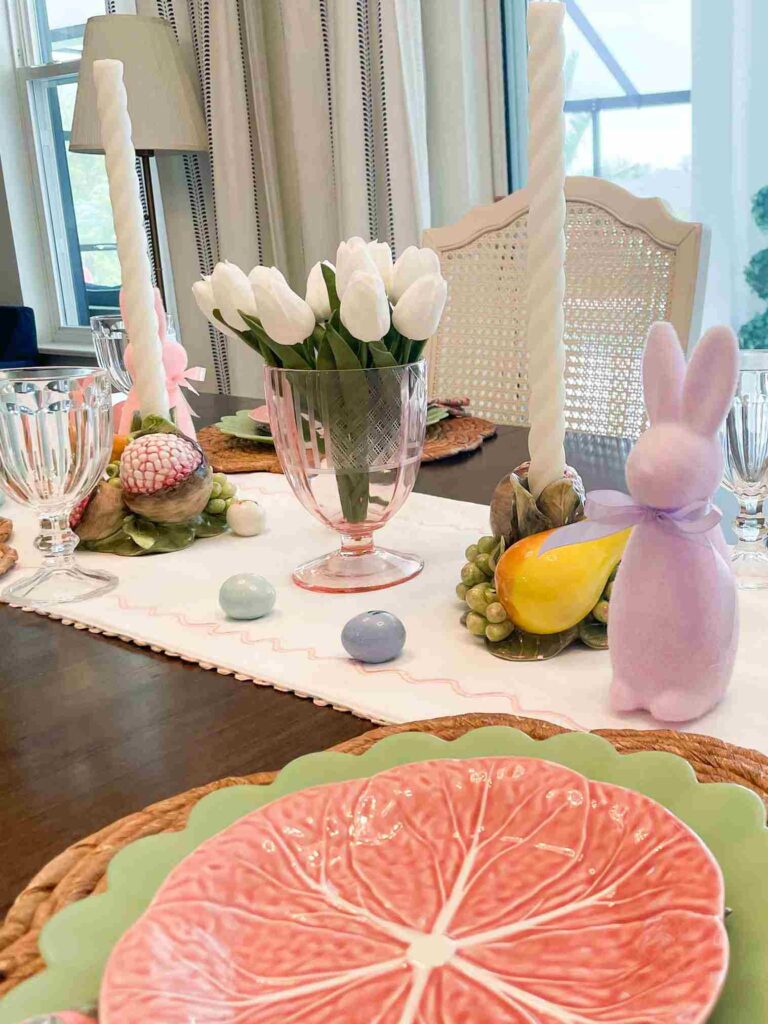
[163,99]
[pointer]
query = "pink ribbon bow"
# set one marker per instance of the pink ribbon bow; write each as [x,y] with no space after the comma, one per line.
[610,512]
[177,376]
[176,380]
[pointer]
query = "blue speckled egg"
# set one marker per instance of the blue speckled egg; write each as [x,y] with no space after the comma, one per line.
[246,596]
[373,637]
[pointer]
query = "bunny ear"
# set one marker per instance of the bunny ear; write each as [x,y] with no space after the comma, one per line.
[710,383]
[663,373]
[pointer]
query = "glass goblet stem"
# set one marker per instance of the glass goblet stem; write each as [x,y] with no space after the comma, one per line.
[359,545]
[56,540]
[749,524]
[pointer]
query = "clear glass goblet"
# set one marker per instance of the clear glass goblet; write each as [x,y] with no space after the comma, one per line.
[110,339]
[350,442]
[55,442]
[745,447]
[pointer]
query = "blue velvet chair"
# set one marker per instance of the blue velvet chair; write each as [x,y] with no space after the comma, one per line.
[18,337]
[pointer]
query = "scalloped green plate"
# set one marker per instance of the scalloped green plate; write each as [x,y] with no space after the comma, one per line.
[730,819]
[241,425]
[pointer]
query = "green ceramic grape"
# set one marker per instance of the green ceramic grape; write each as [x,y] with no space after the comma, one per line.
[497,631]
[486,545]
[476,624]
[472,574]
[480,596]
[496,612]
[483,562]
[600,611]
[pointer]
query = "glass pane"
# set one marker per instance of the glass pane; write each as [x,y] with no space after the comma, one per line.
[578,144]
[651,41]
[648,151]
[586,76]
[60,26]
[81,215]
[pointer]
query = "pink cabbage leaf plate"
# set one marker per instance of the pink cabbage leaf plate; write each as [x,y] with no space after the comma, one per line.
[492,940]
[510,890]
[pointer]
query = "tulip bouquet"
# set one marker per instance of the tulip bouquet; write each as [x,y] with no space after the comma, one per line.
[365,312]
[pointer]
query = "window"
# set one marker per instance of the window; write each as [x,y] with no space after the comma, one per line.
[74,195]
[628,95]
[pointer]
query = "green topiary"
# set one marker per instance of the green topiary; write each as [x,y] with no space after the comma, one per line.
[756,274]
[760,208]
[754,333]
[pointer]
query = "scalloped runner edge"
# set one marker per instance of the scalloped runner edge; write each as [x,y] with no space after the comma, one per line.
[214,629]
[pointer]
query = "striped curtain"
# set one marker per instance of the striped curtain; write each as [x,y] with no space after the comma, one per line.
[326,118]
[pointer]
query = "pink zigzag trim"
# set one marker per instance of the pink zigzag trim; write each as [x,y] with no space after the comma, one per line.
[215,629]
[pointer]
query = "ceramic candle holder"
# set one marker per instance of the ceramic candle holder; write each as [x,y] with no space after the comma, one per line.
[158,495]
[528,606]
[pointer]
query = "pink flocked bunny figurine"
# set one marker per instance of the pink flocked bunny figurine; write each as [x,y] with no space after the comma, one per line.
[177,374]
[673,623]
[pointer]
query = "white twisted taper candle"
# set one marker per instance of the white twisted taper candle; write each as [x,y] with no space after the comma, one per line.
[546,243]
[135,271]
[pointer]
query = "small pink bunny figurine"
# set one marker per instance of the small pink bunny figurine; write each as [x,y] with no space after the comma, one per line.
[177,375]
[673,622]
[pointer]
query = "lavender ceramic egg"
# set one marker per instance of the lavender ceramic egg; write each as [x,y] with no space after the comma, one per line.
[374,637]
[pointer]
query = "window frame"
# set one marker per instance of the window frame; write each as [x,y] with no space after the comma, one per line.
[515,55]
[41,144]
[632,98]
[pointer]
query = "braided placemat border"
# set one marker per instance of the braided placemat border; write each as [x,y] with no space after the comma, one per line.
[452,436]
[80,870]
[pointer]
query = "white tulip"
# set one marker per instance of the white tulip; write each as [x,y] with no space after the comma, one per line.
[317,291]
[364,308]
[417,313]
[284,315]
[263,275]
[232,292]
[206,303]
[352,256]
[412,264]
[382,257]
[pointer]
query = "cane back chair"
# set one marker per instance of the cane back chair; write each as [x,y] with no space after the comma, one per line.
[629,262]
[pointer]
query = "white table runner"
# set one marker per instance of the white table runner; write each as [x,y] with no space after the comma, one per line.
[169,602]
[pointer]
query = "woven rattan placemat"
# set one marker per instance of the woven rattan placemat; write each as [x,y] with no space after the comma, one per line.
[454,436]
[228,454]
[80,870]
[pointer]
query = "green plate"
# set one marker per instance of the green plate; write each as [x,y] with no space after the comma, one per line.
[241,425]
[730,819]
[435,413]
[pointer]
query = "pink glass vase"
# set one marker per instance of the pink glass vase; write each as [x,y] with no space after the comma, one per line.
[350,442]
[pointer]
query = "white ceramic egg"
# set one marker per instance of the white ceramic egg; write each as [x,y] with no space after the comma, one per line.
[246,518]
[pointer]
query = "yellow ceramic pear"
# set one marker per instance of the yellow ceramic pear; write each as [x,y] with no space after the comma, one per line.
[554,592]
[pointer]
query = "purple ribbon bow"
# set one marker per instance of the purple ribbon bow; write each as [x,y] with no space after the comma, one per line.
[610,512]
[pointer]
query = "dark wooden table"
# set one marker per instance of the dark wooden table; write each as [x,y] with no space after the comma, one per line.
[92,729]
